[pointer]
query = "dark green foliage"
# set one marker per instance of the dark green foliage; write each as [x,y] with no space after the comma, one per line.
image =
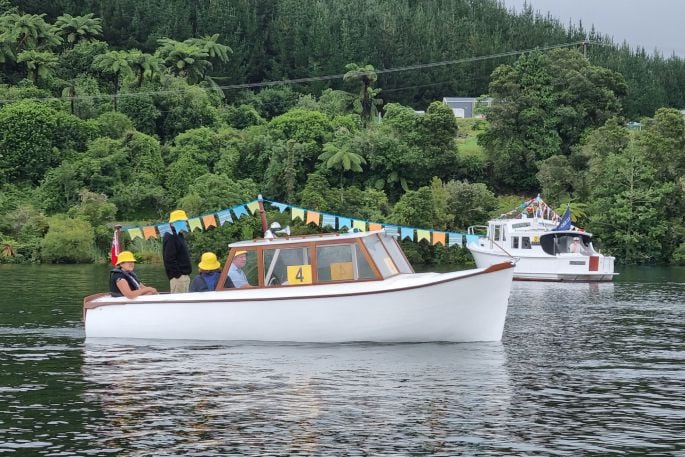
[34,138]
[542,105]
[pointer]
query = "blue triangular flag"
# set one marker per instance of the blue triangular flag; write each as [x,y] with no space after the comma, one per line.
[181,226]
[455,239]
[472,239]
[344,222]
[281,207]
[406,232]
[328,219]
[164,229]
[224,216]
[239,211]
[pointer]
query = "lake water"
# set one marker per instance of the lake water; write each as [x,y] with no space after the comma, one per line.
[582,369]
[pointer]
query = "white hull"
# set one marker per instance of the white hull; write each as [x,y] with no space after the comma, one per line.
[562,267]
[455,307]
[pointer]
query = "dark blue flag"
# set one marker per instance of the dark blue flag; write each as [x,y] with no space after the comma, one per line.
[565,221]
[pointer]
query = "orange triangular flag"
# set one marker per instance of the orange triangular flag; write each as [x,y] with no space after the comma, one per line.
[149,232]
[209,221]
[313,216]
[438,237]
[373,226]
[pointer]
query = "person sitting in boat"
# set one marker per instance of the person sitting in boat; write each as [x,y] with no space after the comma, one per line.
[210,270]
[575,247]
[236,273]
[124,282]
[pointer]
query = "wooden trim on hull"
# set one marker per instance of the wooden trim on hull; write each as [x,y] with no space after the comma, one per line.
[89,304]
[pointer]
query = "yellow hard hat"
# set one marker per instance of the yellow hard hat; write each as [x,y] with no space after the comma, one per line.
[178,215]
[208,262]
[125,256]
[239,253]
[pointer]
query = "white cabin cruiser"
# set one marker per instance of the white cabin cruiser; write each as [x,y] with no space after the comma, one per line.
[326,288]
[541,251]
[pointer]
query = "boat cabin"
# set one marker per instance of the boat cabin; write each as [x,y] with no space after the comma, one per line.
[317,259]
[526,235]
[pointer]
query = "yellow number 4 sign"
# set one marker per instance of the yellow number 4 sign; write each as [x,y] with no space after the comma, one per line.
[299,274]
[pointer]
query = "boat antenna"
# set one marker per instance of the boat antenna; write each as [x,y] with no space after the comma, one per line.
[262,213]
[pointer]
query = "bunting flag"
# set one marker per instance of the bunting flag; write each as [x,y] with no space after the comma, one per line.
[209,221]
[253,207]
[134,233]
[344,222]
[225,216]
[181,226]
[149,232]
[392,230]
[423,235]
[297,212]
[164,229]
[438,238]
[239,211]
[359,225]
[114,250]
[281,207]
[406,232]
[471,239]
[313,217]
[194,223]
[455,239]
[374,227]
[328,220]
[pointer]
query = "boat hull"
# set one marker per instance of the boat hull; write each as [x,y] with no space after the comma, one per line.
[564,267]
[454,307]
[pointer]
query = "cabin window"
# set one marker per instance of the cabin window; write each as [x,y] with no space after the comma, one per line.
[497,232]
[396,253]
[342,262]
[515,242]
[287,266]
[380,256]
[525,242]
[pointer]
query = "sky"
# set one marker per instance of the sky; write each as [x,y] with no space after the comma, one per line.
[647,23]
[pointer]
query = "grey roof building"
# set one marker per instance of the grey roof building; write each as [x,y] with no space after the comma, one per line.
[464,106]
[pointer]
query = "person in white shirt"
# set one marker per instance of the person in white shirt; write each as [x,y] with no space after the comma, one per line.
[236,273]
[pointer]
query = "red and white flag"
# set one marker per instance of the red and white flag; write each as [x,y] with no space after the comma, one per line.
[114,252]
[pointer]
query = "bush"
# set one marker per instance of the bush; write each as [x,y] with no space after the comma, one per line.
[68,241]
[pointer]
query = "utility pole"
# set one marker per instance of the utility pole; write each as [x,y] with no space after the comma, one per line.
[585,43]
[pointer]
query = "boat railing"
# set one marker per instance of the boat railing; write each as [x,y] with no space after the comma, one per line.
[482,229]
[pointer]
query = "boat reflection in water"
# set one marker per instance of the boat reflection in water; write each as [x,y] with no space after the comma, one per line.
[295,398]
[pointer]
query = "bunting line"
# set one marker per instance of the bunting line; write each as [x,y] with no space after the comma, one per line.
[204,222]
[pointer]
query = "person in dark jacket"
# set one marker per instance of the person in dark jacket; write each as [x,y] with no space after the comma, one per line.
[210,270]
[176,256]
[124,282]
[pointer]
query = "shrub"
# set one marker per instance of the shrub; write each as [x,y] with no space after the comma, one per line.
[68,241]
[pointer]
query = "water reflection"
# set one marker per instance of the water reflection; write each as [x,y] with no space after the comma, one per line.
[313,399]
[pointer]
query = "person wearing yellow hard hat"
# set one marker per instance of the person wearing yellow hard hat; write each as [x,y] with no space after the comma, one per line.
[210,270]
[236,273]
[124,282]
[176,256]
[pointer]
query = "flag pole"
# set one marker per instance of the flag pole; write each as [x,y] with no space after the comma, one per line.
[262,213]
[116,244]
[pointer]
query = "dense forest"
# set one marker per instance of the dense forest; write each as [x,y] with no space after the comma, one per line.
[118,112]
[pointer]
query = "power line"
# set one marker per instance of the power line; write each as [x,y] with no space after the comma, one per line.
[284,82]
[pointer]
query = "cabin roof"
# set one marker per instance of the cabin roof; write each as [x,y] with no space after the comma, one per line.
[303,239]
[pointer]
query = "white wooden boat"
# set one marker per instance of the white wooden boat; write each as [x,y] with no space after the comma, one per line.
[319,288]
[541,253]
